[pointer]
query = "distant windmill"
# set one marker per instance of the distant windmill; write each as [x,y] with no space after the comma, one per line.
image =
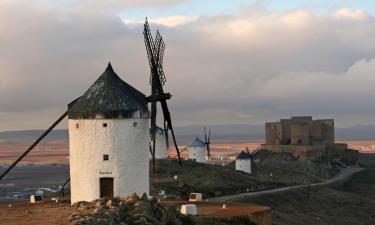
[155,50]
[207,142]
[251,154]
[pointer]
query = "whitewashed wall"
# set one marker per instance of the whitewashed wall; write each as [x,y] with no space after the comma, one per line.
[128,150]
[160,146]
[243,165]
[198,154]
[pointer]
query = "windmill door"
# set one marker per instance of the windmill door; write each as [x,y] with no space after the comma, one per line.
[106,187]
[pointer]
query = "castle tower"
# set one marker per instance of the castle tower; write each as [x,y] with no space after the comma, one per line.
[243,162]
[197,151]
[108,140]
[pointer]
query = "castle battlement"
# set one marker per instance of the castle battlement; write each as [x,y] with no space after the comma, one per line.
[304,137]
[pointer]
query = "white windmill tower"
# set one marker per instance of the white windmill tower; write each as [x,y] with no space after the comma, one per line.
[197,151]
[108,140]
[243,162]
[160,144]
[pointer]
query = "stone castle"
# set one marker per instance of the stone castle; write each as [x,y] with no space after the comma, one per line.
[305,138]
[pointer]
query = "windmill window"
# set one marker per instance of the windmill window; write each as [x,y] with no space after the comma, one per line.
[105,157]
[135,124]
[77,125]
[105,125]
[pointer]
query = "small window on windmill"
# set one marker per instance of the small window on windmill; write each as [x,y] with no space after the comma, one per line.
[105,157]
[135,124]
[105,124]
[77,125]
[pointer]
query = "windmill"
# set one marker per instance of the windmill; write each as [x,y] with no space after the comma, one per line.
[251,154]
[155,51]
[207,142]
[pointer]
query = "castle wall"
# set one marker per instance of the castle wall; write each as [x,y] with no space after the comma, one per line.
[328,131]
[300,133]
[307,139]
[273,133]
[285,131]
[301,151]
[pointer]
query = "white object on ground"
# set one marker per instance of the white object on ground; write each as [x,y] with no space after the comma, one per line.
[195,197]
[36,199]
[189,209]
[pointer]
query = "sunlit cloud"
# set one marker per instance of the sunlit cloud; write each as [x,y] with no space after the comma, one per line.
[171,21]
[351,14]
[251,66]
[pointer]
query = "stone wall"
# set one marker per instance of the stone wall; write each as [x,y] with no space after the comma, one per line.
[300,131]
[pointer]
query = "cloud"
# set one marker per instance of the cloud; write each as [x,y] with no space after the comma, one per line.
[170,21]
[249,67]
[350,14]
[90,6]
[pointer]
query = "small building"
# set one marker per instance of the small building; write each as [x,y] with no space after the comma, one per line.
[197,151]
[108,140]
[161,151]
[243,162]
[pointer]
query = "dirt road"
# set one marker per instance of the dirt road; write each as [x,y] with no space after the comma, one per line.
[342,175]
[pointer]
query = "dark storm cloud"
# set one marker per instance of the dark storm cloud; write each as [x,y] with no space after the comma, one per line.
[245,68]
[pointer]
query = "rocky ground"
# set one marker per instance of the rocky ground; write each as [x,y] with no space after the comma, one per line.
[129,210]
[289,170]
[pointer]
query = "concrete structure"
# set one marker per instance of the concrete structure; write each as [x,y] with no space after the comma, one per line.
[36,199]
[108,140]
[189,209]
[303,137]
[161,151]
[243,162]
[195,197]
[197,151]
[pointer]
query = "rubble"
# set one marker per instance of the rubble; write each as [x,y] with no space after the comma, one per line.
[130,210]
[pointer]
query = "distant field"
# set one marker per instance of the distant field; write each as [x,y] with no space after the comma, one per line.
[47,152]
[32,177]
[57,151]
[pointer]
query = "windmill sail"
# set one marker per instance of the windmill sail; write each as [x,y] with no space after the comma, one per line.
[155,51]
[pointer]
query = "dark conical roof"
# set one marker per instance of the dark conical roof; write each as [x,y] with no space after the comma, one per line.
[110,98]
[244,155]
[198,143]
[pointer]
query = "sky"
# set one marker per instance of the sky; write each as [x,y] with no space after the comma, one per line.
[226,62]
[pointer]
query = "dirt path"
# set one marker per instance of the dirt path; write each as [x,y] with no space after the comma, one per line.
[46,213]
[343,174]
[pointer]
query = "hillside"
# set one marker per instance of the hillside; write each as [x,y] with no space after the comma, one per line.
[272,170]
[211,180]
[347,203]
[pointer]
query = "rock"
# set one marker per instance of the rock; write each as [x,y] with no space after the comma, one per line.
[109,203]
[75,216]
[131,210]
[131,199]
[82,205]
[144,197]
